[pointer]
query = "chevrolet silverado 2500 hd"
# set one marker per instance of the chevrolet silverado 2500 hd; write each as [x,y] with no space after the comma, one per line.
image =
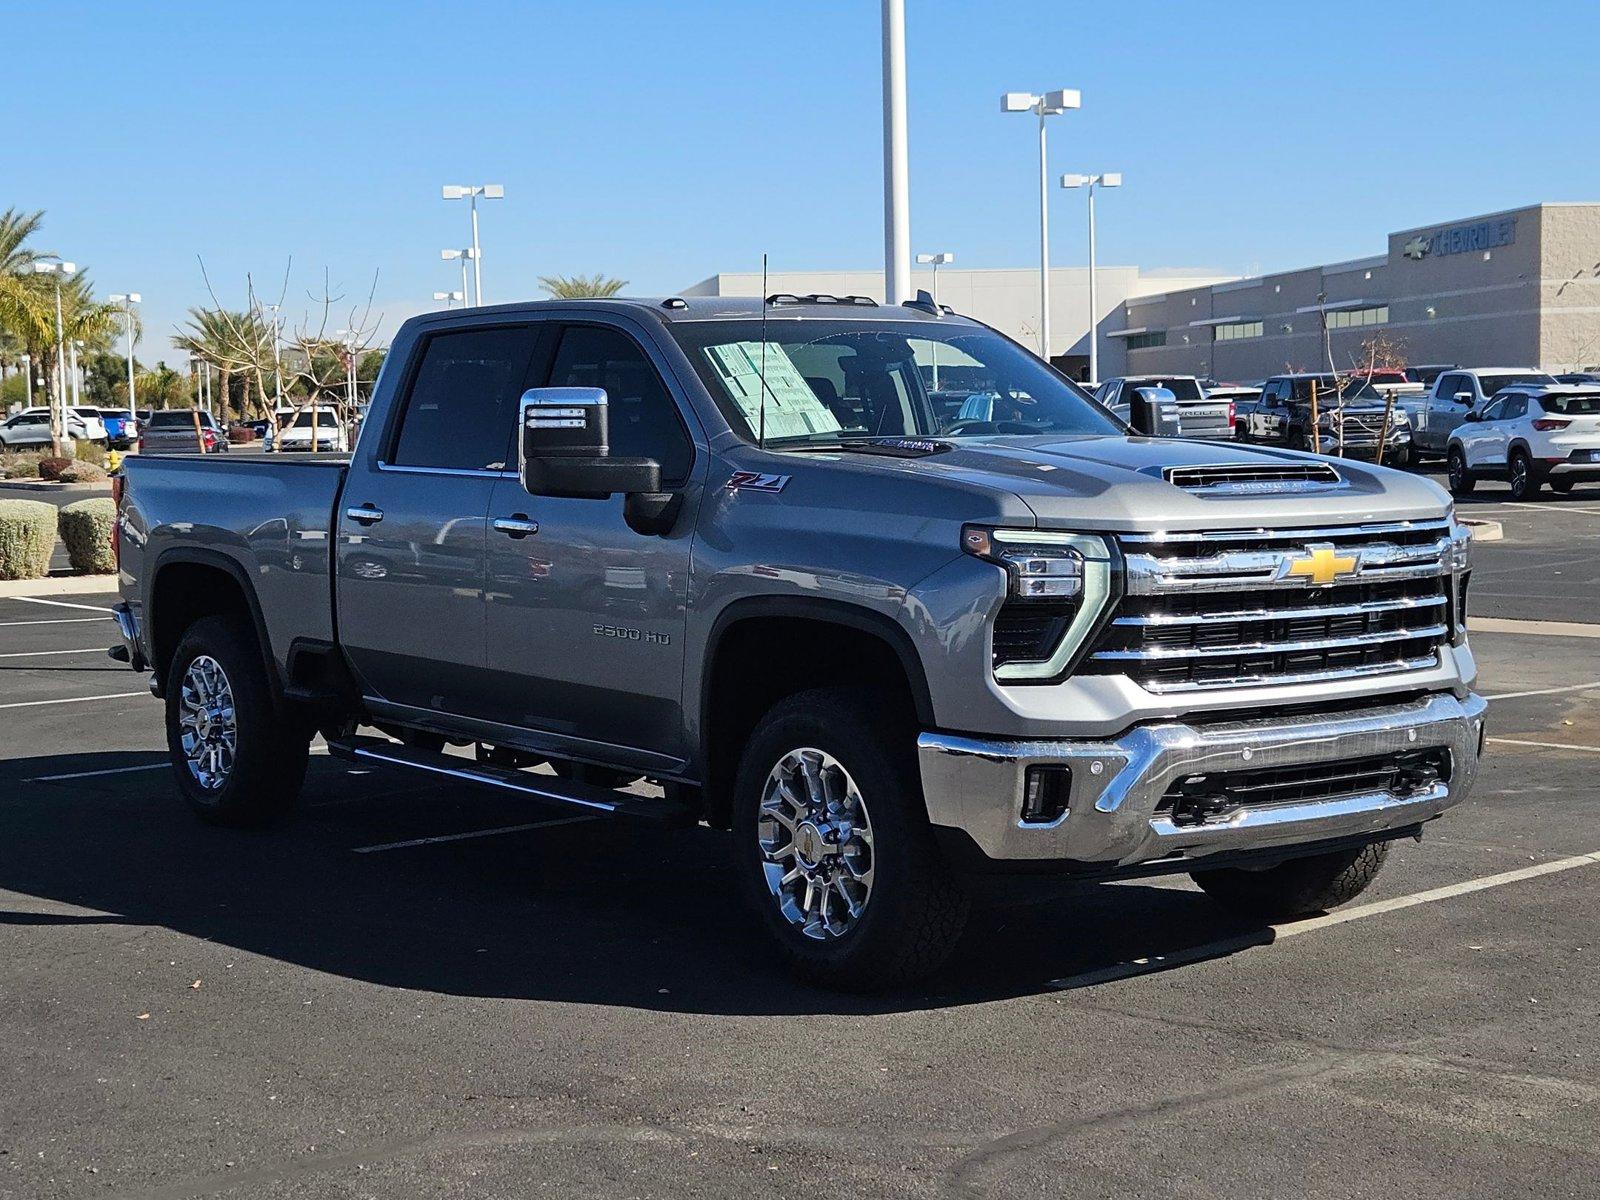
[737,548]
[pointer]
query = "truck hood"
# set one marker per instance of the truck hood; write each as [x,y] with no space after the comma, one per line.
[1120,483]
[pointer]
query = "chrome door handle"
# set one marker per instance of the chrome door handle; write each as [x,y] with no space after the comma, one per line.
[517,526]
[364,516]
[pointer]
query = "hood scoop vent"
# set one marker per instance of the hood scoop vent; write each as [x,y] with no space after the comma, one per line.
[1253,479]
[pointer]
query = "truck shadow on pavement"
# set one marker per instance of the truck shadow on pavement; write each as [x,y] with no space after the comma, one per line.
[593,912]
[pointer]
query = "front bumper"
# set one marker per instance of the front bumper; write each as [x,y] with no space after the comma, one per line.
[1115,816]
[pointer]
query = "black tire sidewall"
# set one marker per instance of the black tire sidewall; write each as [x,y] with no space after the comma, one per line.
[269,759]
[1461,477]
[907,870]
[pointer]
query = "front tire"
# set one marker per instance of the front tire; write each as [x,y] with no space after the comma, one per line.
[235,759]
[833,847]
[1295,888]
[1462,480]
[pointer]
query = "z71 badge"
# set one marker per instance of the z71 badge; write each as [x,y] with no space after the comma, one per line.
[756,481]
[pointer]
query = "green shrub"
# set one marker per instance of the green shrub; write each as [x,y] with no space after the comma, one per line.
[86,530]
[89,452]
[19,466]
[82,472]
[27,538]
[51,467]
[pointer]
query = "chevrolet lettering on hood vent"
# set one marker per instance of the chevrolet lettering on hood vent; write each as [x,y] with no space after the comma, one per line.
[1241,479]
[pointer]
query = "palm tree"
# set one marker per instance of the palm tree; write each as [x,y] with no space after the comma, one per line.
[234,342]
[16,277]
[581,287]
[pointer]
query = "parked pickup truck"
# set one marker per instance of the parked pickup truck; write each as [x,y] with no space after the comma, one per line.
[730,548]
[1351,418]
[1454,394]
[1200,415]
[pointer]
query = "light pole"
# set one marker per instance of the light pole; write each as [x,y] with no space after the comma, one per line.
[935,261]
[1110,179]
[58,409]
[128,300]
[896,172]
[447,297]
[489,191]
[463,255]
[77,383]
[277,362]
[1051,104]
[27,370]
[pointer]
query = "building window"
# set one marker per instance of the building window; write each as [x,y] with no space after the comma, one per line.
[1146,341]
[1237,330]
[1352,318]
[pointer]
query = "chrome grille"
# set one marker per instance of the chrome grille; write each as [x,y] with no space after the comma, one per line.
[1227,609]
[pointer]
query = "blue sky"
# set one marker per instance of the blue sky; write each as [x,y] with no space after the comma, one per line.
[665,141]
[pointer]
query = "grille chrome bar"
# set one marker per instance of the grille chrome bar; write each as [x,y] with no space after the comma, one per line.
[1230,570]
[1321,675]
[1244,649]
[1329,533]
[1285,614]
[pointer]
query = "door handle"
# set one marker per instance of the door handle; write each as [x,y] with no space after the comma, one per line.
[516,526]
[366,515]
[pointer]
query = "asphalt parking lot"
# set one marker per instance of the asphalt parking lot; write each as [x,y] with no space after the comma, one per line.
[421,990]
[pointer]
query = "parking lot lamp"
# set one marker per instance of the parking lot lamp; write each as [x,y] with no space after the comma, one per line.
[935,261]
[27,370]
[128,300]
[58,409]
[471,192]
[463,255]
[896,169]
[1051,104]
[1108,179]
[449,297]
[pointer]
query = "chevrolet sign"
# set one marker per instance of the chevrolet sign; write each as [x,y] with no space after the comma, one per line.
[1463,239]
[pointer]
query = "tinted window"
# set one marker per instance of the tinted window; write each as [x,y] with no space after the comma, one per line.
[1181,387]
[1448,386]
[171,420]
[1492,412]
[1572,406]
[642,420]
[461,413]
[1515,406]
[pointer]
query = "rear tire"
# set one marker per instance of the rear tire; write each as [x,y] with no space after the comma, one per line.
[885,908]
[235,759]
[1295,888]
[1462,480]
[1525,481]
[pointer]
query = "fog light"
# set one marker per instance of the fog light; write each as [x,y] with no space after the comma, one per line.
[1044,794]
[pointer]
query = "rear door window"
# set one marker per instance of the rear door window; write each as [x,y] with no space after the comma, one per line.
[461,410]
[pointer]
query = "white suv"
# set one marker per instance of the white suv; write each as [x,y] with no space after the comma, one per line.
[1529,435]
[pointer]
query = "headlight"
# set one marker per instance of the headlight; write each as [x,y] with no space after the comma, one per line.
[1460,556]
[1058,587]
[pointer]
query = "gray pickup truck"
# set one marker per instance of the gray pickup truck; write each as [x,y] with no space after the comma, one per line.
[745,552]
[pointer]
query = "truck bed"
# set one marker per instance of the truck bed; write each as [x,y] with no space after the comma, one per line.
[268,518]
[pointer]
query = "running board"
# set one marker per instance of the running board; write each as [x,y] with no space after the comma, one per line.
[542,787]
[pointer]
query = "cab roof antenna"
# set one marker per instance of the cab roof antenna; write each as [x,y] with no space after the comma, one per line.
[761,378]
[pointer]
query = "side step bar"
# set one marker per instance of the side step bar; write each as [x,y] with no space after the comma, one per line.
[542,787]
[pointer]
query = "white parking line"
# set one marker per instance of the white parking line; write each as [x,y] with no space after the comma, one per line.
[57,621]
[57,603]
[1145,966]
[90,774]
[74,699]
[48,653]
[1583,512]
[461,837]
[1548,745]
[1555,691]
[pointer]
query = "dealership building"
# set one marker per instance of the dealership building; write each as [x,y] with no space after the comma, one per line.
[1515,288]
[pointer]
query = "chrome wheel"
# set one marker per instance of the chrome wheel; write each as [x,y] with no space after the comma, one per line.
[816,843]
[207,722]
[1519,475]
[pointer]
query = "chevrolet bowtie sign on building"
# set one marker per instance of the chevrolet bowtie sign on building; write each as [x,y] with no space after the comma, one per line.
[1462,239]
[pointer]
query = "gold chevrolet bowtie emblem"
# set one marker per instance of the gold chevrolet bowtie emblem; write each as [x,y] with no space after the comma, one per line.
[1322,565]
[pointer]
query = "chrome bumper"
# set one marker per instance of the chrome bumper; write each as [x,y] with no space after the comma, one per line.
[1112,818]
[131,650]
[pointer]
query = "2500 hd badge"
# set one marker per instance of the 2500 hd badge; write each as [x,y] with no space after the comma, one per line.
[628,633]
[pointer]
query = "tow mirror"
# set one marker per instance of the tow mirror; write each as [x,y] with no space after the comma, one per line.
[1464,398]
[1153,412]
[563,448]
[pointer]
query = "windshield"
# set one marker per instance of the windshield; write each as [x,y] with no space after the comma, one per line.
[325,419]
[827,382]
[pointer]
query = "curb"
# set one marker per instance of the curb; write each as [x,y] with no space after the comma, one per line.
[59,585]
[1483,530]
